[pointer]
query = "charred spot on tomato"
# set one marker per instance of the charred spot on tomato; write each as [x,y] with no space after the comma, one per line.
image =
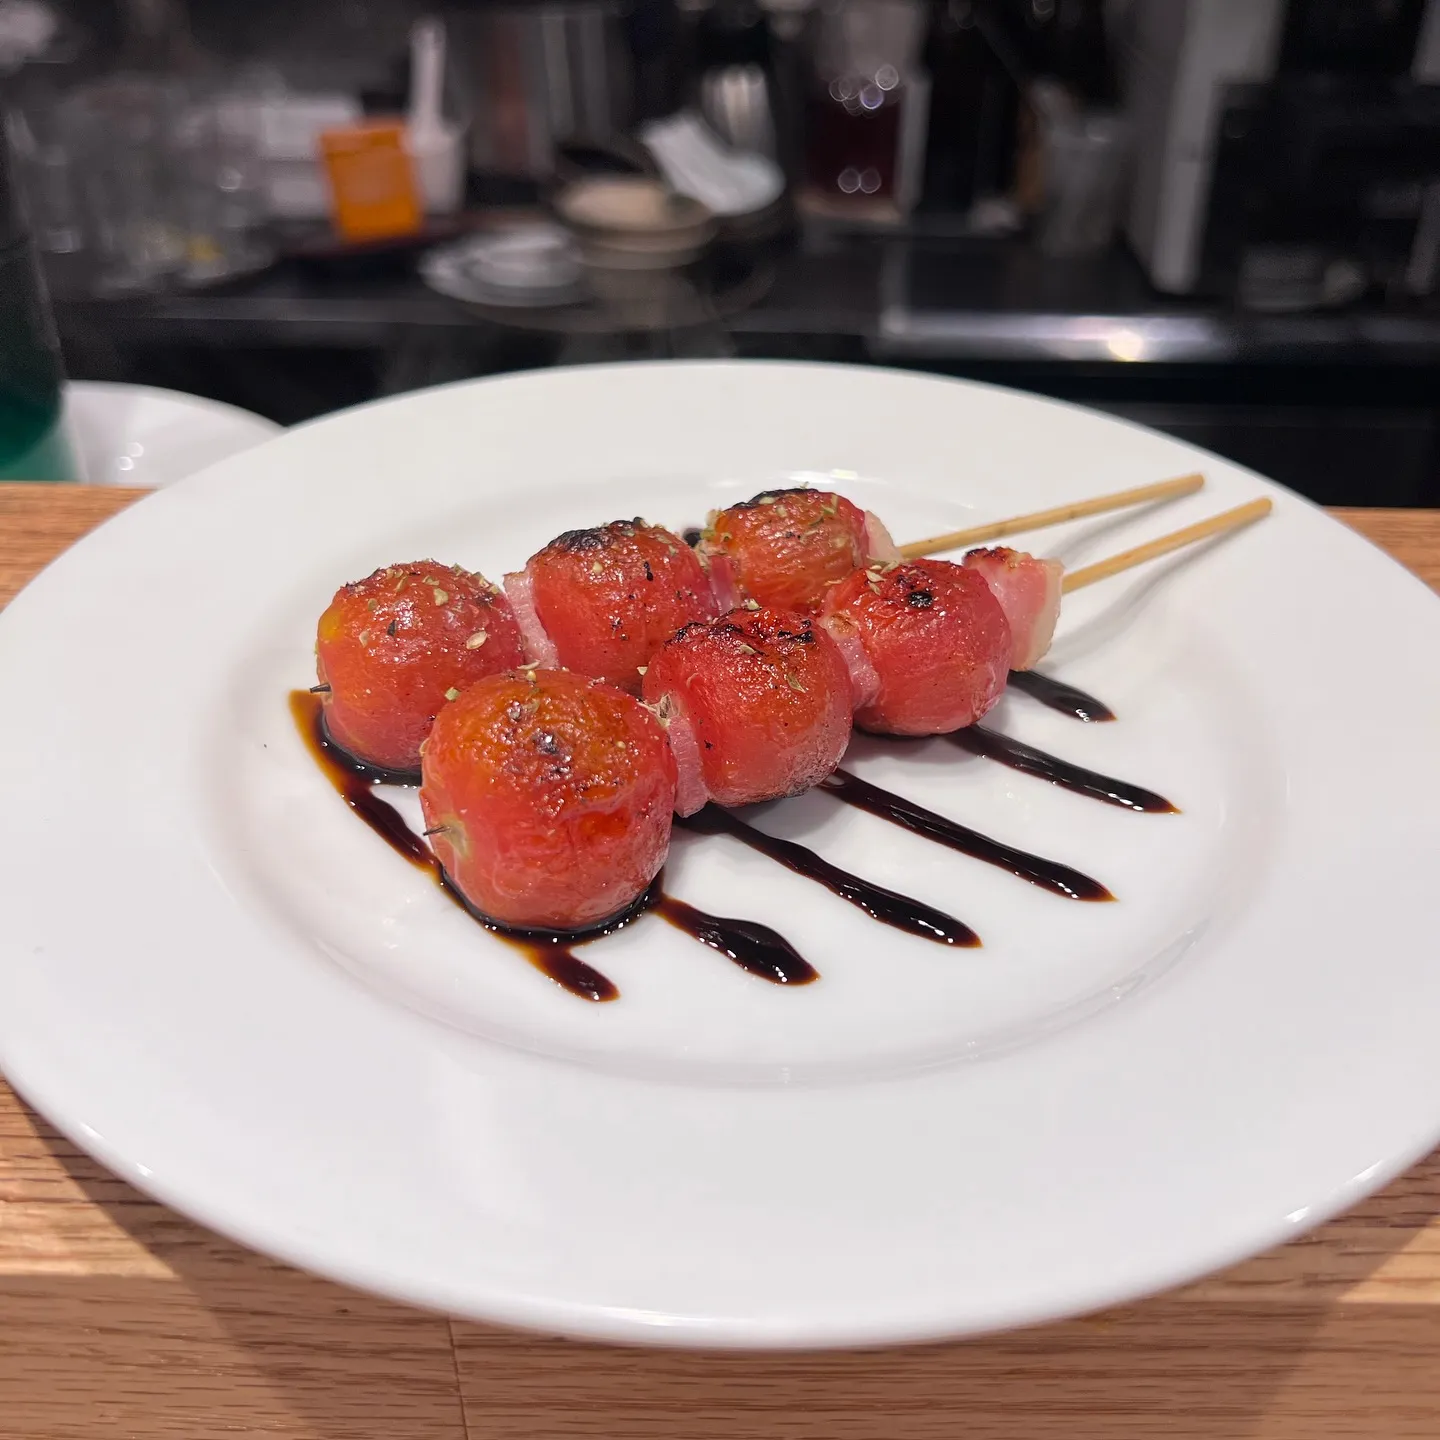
[580,542]
[769,497]
[920,599]
[803,636]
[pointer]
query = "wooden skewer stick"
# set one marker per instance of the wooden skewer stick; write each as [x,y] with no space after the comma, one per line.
[1039,519]
[1203,530]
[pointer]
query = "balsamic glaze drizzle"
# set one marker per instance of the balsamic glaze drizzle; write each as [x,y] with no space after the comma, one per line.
[887,906]
[751,945]
[550,951]
[354,779]
[1048,874]
[994,746]
[754,947]
[757,948]
[1060,696]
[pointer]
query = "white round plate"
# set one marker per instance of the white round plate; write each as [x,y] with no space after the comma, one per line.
[145,436]
[218,981]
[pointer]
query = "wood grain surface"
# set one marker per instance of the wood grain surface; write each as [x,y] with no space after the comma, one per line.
[120,1319]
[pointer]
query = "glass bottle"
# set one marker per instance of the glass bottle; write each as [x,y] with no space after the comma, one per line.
[867,104]
[33,442]
[974,109]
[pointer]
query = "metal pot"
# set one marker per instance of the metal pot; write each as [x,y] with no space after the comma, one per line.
[541,75]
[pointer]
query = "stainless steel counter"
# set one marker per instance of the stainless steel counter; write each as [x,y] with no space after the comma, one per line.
[901,299]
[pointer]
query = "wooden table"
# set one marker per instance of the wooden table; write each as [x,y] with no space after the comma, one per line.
[120,1319]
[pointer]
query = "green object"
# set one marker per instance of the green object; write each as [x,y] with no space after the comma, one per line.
[33,444]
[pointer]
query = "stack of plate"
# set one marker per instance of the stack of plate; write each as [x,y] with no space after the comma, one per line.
[530,267]
[634,223]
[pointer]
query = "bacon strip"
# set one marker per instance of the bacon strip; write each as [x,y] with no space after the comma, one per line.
[1028,590]
[538,645]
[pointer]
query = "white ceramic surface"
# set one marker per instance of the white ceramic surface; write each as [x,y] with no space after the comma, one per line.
[214,978]
[141,435]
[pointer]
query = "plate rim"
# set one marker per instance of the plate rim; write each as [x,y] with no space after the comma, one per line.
[542,1316]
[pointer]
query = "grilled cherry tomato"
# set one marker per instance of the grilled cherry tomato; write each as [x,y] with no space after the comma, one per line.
[391,646]
[602,601]
[548,798]
[757,704]
[936,639]
[786,547]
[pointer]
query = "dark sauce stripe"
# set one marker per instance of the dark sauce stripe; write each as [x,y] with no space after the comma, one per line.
[552,952]
[1048,874]
[361,769]
[354,780]
[549,952]
[886,906]
[754,947]
[1059,696]
[994,746]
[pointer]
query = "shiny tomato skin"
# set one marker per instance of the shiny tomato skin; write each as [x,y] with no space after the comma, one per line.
[549,795]
[392,645]
[937,638]
[610,596]
[767,695]
[787,547]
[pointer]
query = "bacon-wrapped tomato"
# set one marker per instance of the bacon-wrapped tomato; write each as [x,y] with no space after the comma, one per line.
[936,645]
[757,704]
[392,646]
[548,796]
[602,601]
[786,547]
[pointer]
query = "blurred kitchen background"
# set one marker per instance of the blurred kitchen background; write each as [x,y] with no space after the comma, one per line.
[1219,217]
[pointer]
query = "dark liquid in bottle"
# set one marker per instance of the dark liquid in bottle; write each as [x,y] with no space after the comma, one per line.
[852,143]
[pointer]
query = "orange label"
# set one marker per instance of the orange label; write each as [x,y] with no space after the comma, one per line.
[372,182]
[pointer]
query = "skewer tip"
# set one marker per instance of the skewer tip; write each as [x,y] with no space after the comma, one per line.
[1057,515]
[1216,525]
